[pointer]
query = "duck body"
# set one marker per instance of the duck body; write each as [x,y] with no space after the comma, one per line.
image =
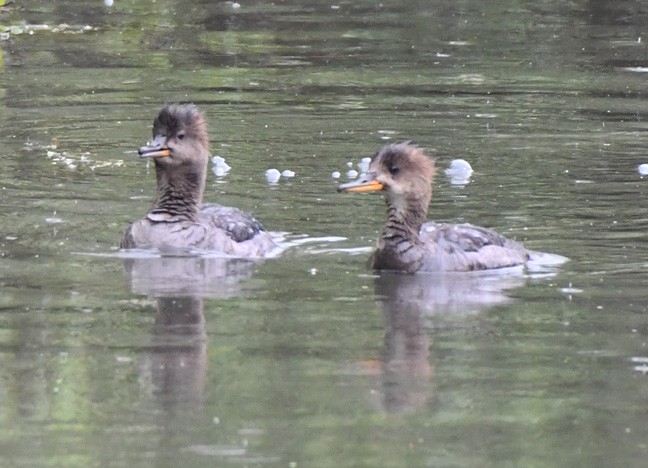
[410,244]
[218,228]
[450,247]
[178,219]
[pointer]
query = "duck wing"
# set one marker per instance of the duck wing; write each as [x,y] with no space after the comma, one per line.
[238,225]
[465,247]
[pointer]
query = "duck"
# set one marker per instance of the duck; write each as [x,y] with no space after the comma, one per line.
[408,243]
[178,219]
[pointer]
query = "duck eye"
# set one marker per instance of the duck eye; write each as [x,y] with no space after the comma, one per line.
[394,169]
[181,136]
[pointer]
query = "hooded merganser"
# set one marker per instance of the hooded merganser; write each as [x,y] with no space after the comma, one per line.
[178,219]
[408,244]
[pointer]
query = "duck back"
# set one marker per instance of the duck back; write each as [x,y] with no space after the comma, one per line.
[465,247]
[218,228]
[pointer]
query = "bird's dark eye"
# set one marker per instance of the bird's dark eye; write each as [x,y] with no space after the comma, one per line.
[181,135]
[394,169]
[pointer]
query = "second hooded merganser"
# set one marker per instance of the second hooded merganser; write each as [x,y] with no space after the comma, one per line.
[408,244]
[178,219]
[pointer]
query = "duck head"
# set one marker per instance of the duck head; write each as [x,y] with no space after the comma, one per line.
[402,171]
[179,136]
[180,149]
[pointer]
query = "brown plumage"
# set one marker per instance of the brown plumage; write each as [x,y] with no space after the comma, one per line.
[408,244]
[178,219]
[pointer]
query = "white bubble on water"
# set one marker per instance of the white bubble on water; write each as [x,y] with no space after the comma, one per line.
[272,176]
[643,169]
[363,165]
[220,166]
[459,172]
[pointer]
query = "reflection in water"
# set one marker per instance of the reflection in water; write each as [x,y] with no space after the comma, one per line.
[406,367]
[194,276]
[179,359]
[411,304]
[179,284]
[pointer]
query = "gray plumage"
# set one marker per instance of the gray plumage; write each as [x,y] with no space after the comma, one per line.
[409,244]
[178,219]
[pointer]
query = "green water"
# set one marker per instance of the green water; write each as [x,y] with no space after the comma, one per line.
[309,359]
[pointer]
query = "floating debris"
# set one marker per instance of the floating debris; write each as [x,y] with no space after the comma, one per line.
[641,364]
[635,69]
[83,160]
[352,174]
[336,174]
[571,290]
[218,450]
[386,134]
[288,174]
[18,29]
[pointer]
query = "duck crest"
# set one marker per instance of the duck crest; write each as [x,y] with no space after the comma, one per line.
[174,118]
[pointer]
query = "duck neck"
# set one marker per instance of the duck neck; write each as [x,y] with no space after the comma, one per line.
[399,247]
[179,194]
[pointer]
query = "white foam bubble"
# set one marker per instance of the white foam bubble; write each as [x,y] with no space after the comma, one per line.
[220,166]
[272,176]
[643,169]
[459,172]
[363,165]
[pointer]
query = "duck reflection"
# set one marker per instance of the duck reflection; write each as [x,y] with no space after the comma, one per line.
[188,275]
[414,305]
[179,285]
[179,356]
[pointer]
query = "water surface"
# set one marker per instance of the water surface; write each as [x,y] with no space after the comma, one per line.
[309,359]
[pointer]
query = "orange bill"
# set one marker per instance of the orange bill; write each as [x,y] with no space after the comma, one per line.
[153,152]
[155,149]
[366,183]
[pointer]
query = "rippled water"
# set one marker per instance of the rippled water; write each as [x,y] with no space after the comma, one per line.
[309,359]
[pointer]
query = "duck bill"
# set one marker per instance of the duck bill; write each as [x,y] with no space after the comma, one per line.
[366,183]
[155,149]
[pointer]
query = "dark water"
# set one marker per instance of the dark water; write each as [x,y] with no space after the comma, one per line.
[309,359]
